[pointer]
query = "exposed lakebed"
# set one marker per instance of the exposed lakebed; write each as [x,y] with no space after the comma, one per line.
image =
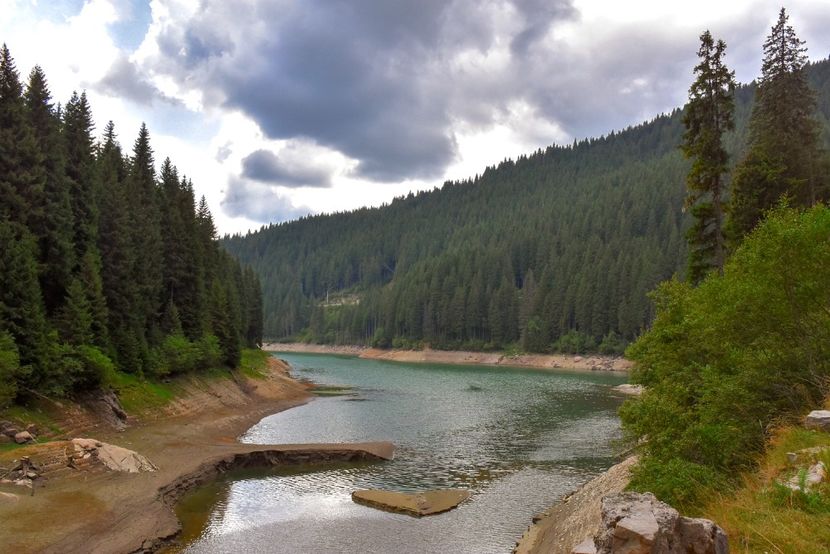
[518,439]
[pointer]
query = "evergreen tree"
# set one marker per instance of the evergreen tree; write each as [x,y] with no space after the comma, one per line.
[22,176]
[55,231]
[80,172]
[784,153]
[708,115]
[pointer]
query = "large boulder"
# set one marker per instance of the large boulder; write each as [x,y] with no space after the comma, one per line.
[113,457]
[818,419]
[23,437]
[637,523]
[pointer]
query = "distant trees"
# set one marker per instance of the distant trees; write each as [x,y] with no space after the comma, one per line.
[103,264]
[784,154]
[707,117]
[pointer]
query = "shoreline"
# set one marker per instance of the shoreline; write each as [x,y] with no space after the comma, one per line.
[191,440]
[564,362]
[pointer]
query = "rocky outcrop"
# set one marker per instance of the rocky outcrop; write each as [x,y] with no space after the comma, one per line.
[111,456]
[638,523]
[418,504]
[577,517]
[818,419]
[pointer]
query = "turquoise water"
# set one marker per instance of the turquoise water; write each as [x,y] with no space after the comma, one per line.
[519,439]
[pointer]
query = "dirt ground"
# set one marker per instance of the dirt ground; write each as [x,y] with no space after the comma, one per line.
[96,510]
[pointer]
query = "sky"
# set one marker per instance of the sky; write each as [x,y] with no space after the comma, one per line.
[280,108]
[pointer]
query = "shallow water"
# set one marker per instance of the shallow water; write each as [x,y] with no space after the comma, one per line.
[518,439]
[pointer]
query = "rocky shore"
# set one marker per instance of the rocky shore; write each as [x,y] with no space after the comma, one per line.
[78,503]
[592,362]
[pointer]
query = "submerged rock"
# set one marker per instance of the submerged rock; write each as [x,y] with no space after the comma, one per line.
[818,419]
[629,389]
[635,523]
[416,504]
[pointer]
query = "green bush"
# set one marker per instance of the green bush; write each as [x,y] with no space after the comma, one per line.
[724,361]
[574,342]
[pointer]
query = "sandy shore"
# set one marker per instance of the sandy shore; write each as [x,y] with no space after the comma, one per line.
[190,440]
[533,361]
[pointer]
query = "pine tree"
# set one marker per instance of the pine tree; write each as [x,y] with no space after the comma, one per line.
[75,317]
[22,177]
[708,116]
[54,232]
[146,235]
[81,172]
[784,151]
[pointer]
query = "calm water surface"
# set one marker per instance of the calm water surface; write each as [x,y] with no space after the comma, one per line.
[518,439]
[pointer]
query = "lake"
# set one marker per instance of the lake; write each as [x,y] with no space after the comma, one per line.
[519,439]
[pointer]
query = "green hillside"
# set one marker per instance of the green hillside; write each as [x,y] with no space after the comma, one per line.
[556,249]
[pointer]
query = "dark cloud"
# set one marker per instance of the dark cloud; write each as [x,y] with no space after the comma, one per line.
[266,167]
[123,79]
[388,83]
[259,203]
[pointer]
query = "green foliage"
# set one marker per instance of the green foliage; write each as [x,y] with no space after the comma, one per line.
[725,360]
[707,117]
[9,368]
[683,484]
[574,342]
[784,154]
[103,266]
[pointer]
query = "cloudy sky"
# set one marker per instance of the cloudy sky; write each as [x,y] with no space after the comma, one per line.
[278,108]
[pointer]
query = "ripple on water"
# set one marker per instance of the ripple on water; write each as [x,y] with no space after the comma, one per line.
[518,439]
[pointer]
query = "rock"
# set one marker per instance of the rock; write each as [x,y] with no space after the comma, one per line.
[629,389]
[792,457]
[8,429]
[577,359]
[816,474]
[114,457]
[419,504]
[585,547]
[32,429]
[635,523]
[23,437]
[818,419]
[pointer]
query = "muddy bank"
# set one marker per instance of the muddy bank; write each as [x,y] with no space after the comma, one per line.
[190,440]
[578,516]
[534,361]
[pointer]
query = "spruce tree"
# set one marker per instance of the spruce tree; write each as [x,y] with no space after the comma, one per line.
[22,176]
[81,172]
[784,153]
[55,233]
[708,116]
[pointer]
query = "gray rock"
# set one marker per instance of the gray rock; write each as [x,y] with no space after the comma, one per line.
[635,523]
[32,428]
[23,437]
[818,419]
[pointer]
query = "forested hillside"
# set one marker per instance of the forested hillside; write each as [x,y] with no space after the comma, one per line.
[556,249]
[105,265]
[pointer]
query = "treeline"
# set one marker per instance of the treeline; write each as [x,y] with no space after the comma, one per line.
[553,251]
[104,264]
[749,347]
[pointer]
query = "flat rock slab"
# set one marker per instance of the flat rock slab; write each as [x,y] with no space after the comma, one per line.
[416,504]
[818,419]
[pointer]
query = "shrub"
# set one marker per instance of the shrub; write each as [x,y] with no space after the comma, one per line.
[725,360]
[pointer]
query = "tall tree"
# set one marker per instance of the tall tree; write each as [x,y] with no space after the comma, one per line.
[81,172]
[784,152]
[708,116]
[22,177]
[55,232]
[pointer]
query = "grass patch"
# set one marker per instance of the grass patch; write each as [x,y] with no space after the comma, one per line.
[24,415]
[763,516]
[137,394]
[254,363]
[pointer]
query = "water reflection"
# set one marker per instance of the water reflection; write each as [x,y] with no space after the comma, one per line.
[518,439]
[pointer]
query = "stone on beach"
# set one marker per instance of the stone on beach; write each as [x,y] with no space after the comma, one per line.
[114,457]
[414,504]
